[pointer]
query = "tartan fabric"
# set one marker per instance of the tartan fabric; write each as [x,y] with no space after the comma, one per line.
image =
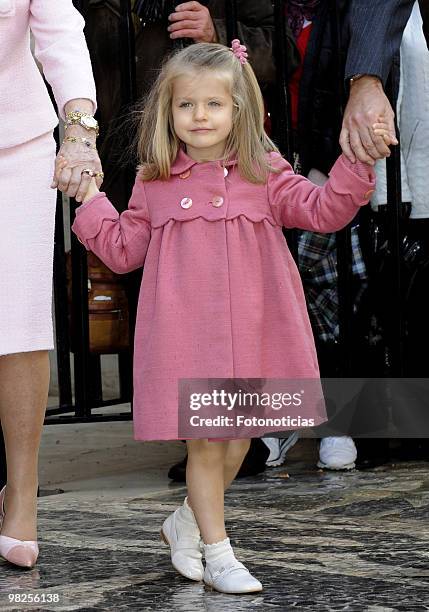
[317,262]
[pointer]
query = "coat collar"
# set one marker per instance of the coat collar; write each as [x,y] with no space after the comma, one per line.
[183,162]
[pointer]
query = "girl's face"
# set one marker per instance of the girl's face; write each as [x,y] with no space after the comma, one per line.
[202,114]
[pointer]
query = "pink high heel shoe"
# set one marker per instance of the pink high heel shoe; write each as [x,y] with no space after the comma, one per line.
[23,553]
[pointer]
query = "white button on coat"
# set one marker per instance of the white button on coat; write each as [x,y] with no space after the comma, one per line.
[186,203]
[217,201]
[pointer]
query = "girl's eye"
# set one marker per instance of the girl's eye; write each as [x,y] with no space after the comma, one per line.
[184,105]
[214,103]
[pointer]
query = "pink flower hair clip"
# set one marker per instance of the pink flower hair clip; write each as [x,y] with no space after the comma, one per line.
[239,51]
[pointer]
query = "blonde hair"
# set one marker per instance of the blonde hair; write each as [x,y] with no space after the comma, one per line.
[158,144]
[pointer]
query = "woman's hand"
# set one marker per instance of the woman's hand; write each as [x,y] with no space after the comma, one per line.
[70,178]
[88,184]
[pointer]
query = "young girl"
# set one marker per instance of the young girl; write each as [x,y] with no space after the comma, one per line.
[221,296]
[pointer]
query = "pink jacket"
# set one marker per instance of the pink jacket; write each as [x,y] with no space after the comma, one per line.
[26,110]
[221,295]
[287,200]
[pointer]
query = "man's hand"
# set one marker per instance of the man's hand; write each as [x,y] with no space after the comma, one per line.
[192,20]
[367,105]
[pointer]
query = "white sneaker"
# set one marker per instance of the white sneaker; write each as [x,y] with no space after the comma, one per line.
[278,448]
[337,453]
[181,532]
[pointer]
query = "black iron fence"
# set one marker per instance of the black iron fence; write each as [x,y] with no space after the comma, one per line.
[88,388]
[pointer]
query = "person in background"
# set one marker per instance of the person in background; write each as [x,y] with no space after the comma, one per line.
[413,124]
[370,35]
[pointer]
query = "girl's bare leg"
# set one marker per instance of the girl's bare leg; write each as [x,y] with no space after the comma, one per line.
[234,457]
[205,480]
[24,383]
[211,467]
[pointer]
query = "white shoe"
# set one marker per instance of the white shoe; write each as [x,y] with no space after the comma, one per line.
[181,532]
[278,448]
[22,553]
[337,453]
[225,573]
[233,578]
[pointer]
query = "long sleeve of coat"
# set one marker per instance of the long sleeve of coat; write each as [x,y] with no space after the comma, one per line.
[376,28]
[297,202]
[60,47]
[119,240]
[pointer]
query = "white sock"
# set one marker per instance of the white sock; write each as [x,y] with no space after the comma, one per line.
[218,553]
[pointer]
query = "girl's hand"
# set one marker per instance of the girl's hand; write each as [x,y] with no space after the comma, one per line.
[92,190]
[88,187]
[381,128]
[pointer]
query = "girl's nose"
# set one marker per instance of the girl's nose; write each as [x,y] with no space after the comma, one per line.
[200,112]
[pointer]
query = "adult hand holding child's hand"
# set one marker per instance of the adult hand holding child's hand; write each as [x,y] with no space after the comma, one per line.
[88,187]
[367,103]
[70,177]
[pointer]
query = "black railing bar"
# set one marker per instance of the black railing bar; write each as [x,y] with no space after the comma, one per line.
[80,323]
[282,122]
[70,408]
[342,238]
[394,216]
[103,418]
[345,300]
[61,307]
[231,15]
[127,55]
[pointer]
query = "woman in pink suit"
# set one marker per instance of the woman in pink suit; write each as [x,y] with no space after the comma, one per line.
[27,211]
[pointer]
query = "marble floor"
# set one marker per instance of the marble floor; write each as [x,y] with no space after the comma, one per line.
[318,541]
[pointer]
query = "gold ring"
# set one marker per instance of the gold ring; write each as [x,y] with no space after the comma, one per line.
[99,175]
[88,171]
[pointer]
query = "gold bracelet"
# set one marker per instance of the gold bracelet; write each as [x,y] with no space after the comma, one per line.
[86,120]
[85,141]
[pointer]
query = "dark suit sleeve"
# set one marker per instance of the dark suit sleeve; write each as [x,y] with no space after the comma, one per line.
[376,28]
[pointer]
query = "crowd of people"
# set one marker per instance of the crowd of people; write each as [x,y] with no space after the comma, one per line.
[221,296]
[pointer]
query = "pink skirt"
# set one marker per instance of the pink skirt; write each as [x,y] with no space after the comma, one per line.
[27,220]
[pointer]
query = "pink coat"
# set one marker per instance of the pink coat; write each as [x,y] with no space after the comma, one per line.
[221,296]
[26,110]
